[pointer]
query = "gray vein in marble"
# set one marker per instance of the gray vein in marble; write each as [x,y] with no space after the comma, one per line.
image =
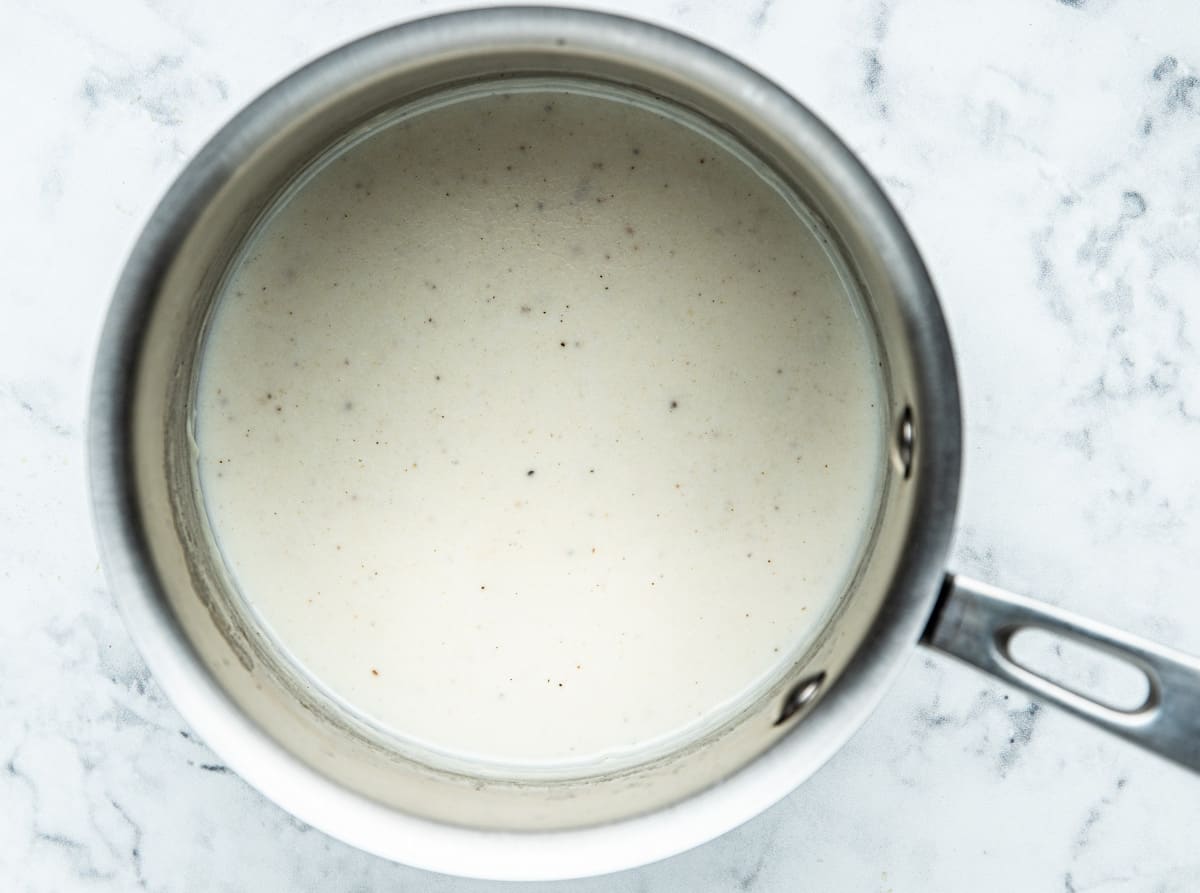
[135,851]
[873,69]
[749,873]
[759,18]
[1164,68]
[1047,280]
[175,18]
[44,830]
[151,89]
[990,713]
[1024,721]
[1179,93]
[1081,441]
[35,412]
[165,90]
[1094,815]
[979,560]
[873,79]
[1136,368]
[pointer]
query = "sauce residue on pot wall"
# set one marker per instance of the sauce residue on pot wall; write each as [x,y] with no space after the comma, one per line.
[539,428]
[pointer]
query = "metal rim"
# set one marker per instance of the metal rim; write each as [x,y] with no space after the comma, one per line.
[358,820]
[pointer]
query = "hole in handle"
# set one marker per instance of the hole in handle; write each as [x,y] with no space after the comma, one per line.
[1080,668]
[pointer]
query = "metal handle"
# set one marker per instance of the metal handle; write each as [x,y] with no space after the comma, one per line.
[976,623]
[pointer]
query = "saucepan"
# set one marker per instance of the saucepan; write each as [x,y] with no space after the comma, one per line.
[283,738]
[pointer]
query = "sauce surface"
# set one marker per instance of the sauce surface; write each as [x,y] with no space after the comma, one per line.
[539,428]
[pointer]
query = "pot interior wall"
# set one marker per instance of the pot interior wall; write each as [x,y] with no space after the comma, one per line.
[251,173]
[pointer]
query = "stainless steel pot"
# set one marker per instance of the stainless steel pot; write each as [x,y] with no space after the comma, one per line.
[336,775]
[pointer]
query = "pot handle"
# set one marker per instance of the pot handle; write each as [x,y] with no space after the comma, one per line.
[976,623]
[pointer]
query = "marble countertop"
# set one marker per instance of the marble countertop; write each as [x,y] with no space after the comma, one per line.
[1045,155]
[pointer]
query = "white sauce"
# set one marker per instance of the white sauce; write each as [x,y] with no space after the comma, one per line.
[539,429]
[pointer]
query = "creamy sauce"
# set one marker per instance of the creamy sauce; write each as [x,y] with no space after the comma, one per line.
[539,429]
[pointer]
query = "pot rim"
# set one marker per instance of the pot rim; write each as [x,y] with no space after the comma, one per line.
[527,855]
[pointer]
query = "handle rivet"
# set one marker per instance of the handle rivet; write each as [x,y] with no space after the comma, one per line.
[904,443]
[802,692]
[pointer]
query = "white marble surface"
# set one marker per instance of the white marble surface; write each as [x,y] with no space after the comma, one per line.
[1045,156]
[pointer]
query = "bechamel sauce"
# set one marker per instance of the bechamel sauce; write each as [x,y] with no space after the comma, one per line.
[539,429]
